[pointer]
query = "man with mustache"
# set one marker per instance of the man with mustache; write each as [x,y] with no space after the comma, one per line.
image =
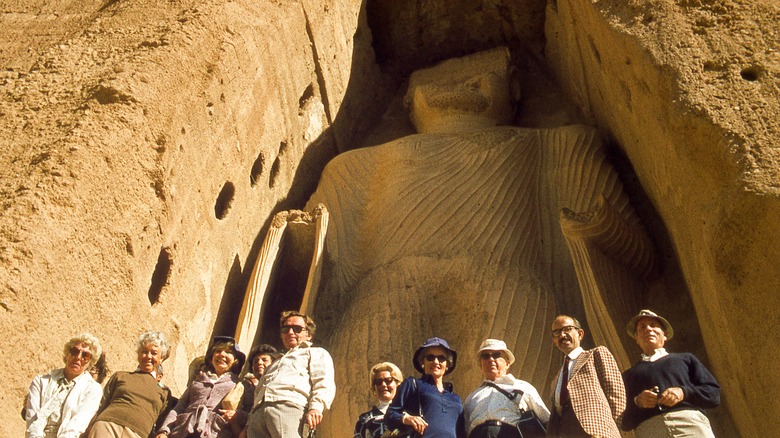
[588,394]
[497,407]
[666,392]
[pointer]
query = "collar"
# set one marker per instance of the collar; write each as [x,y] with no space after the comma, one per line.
[506,379]
[427,378]
[59,373]
[657,354]
[382,406]
[213,377]
[153,373]
[63,381]
[574,354]
[302,344]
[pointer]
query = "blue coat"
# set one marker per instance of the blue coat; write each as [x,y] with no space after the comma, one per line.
[443,411]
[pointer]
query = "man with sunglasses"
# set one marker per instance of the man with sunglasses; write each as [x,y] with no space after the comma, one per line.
[588,394]
[502,405]
[296,389]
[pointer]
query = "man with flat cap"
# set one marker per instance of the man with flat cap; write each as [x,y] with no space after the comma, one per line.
[502,403]
[588,395]
[667,392]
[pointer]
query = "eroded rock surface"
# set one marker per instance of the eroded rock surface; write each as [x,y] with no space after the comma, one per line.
[146,146]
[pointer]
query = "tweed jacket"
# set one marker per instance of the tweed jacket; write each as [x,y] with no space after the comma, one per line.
[598,397]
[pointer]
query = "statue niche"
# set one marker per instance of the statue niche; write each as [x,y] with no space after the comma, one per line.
[469,230]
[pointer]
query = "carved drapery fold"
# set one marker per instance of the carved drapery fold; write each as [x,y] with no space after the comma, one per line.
[290,230]
[613,260]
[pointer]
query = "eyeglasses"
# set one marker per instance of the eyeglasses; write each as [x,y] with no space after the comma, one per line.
[441,358]
[82,354]
[487,356]
[387,381]
[558,332]
[295,328]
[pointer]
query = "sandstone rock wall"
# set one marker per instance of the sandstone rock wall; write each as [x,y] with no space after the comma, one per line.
[145,146]
[689,90]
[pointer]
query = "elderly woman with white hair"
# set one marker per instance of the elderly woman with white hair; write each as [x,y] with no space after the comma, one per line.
[132,401]
[383,380]
[62,402]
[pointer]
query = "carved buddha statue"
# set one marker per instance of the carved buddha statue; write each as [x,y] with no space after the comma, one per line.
[459,232]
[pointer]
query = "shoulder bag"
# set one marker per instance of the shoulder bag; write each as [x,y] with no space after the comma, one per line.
[529,425]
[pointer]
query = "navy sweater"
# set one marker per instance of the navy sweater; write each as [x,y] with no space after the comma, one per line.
[700,389]
[443,411]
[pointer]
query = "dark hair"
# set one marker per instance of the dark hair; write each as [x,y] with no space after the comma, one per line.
[258,350]
[227,346]
[101,368]
[310,325]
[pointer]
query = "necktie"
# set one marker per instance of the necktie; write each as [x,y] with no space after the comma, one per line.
[564,398]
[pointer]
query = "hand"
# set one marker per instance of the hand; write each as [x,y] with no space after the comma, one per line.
[227,414]
[161,435]
[418,423]
[646,399]
[313,418]
[671,396]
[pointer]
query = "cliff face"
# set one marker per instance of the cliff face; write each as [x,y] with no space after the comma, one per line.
[688,90]
[146,145]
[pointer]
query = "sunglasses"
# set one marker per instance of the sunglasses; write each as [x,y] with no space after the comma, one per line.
[387,381]
[441,358]
[75,352]
[295,328]
[487,356]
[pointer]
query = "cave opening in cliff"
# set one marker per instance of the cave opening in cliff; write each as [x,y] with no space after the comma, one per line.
[161,275]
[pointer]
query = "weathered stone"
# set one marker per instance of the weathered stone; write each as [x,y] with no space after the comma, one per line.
[262,94]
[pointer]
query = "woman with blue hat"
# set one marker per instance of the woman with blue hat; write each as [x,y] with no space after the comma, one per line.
[211,407]
[428,404]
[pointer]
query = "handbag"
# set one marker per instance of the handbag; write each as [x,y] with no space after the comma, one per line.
[406,431]
[529,426]
[232,400]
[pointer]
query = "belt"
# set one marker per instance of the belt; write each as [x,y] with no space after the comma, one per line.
[504,427]
[493,423]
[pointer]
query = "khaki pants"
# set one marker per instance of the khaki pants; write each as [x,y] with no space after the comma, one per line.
[106,429]
[685,423]
[276,420]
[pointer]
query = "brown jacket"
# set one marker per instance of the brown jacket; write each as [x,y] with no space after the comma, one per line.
[597,394]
